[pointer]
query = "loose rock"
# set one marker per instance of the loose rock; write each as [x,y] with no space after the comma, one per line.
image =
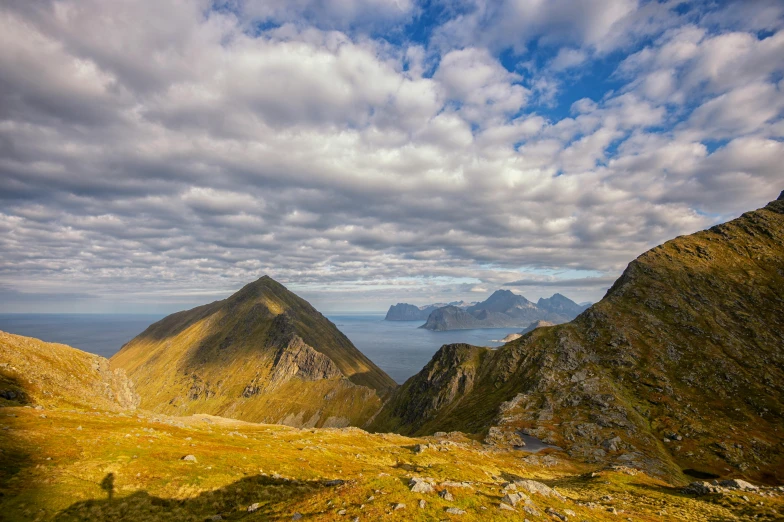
[556,514]
[419,485]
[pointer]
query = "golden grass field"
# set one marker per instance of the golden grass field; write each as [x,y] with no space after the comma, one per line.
[103,465]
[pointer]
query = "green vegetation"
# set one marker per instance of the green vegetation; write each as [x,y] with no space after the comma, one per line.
[68,465]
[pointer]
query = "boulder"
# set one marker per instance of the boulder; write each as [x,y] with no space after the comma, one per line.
[738,484]
[419,485]
[446,495]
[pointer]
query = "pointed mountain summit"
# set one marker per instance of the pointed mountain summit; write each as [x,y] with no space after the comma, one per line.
[262,355]
[678,370]
[502,301]
[560,304]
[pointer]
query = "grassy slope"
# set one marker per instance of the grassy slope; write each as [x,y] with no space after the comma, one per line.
[85,458]
[688,342]
[56,375]
[54,468]
[201,360]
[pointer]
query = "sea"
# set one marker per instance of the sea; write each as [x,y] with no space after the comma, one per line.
[400,348]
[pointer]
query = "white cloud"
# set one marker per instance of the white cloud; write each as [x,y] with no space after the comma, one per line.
[196,151]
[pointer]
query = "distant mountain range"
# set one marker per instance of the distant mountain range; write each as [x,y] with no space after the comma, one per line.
[503,309]
[409,312]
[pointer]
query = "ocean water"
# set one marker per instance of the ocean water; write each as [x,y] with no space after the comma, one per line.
[400,348]
[101,334]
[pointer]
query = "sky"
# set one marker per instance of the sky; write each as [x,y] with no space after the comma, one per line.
[159,154]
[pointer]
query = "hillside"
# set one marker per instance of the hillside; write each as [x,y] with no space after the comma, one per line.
[262,355]
[37,373]
[102,465]
[503,309]
[679,367]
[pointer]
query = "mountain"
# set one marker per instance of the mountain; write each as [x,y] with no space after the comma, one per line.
[37,373]
[503,309]
[560,304]
[262,355]
[409,312]
[679,368]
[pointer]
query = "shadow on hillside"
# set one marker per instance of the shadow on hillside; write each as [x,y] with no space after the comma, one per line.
[13,457]
[272,496]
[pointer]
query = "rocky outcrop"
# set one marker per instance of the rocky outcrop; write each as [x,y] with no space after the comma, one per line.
[680,366]
[299,360]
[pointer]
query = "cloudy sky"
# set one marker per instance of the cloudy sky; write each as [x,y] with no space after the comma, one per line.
[158,154]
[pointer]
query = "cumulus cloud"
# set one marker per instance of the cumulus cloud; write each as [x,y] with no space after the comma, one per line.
[168,152]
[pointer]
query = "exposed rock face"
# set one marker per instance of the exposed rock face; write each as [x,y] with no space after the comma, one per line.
[262,355]
[680,366]
[55,375]
[298,359]
[503,309]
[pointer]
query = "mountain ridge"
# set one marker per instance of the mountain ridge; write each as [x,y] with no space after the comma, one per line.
[503,309]
[660,374]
